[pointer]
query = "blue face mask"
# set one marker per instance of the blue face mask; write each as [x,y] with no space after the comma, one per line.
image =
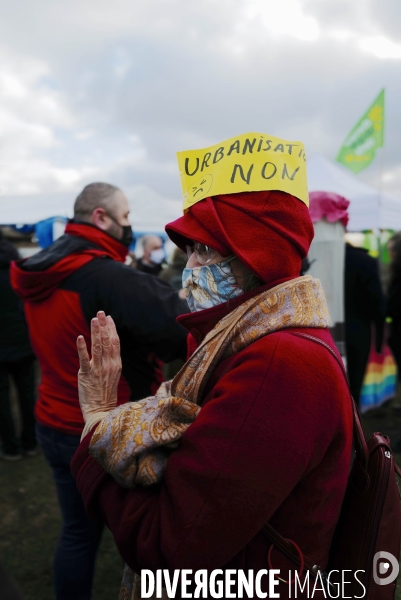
[209,285]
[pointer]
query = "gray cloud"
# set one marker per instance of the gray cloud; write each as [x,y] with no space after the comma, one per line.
[132,83]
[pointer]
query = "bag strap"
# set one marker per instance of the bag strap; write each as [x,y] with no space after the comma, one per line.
[287,548]
[362,454]
[359,440]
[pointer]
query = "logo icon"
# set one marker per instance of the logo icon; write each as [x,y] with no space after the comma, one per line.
[384,567]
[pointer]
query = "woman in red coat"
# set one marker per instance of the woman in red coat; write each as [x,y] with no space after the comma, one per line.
[257,426]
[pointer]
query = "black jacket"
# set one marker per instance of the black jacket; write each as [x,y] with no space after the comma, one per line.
[63,287]
[14,338]
[394,311]
[144,310]
[364,299]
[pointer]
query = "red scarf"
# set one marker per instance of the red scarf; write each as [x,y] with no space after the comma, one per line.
[36,286]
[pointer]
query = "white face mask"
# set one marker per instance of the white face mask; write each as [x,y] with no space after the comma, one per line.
[209,285]
[157,256]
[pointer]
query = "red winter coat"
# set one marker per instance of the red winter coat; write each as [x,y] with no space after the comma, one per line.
[272,443]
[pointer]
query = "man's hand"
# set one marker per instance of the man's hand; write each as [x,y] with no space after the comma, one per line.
[98,378]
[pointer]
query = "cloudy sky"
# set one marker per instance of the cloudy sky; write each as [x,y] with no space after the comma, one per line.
[99,90]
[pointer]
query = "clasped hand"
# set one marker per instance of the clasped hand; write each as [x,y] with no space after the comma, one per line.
[98,377]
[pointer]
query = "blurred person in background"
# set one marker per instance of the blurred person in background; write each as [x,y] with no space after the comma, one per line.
[394,301]
[364,311]
[16,361]
[153,255]
[173,272]
[131,260]
[63,287]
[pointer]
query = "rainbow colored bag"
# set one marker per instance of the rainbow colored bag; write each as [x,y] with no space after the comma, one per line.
[380,380]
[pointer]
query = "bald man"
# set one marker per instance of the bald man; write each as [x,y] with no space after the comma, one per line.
[63,287]
[153,255]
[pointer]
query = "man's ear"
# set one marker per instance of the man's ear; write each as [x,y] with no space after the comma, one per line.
[100,218]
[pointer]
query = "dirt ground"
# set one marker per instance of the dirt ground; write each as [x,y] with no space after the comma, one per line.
[29,528]
[30,522]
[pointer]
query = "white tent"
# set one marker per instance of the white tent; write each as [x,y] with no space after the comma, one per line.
[369,208]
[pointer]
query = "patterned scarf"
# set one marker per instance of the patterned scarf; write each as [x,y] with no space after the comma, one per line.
[134,441]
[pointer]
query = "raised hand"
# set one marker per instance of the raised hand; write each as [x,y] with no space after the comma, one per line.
[98,378]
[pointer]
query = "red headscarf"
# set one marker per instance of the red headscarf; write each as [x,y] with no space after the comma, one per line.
[270,232]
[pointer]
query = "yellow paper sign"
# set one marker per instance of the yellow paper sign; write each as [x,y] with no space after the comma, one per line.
[251,162]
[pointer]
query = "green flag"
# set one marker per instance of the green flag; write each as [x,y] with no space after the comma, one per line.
[360,147]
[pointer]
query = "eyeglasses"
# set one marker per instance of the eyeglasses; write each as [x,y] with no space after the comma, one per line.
[203,253]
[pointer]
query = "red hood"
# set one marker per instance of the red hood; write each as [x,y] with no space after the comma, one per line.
[270,232]
[35,279]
